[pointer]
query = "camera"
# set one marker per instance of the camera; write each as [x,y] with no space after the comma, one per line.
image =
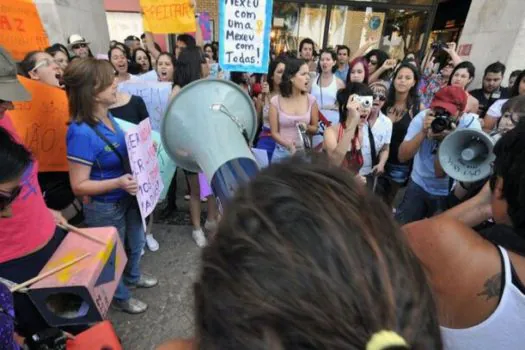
[442,122]
[438,45]
[49,339]
[365,101]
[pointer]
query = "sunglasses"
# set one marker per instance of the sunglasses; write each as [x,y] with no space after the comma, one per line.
[380,97]
[373,63]
[7,198]
[40,64]
[78,46]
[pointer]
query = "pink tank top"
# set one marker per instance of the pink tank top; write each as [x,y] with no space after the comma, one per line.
[31,225]
[288,123]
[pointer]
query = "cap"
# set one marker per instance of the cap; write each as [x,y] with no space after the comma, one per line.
[10,87]
[76,39]
[451,98]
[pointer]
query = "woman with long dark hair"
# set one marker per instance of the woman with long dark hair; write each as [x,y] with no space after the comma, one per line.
[188,70]
[119,60]
[402,104]
[324,88]
[293,106]
[100,172]
[142,58]
[270,89]
[60,55]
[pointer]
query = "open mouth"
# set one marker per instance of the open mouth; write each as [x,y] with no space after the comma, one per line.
[60,79]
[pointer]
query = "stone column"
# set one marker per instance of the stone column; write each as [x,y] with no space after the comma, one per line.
[496,31]
[61,18]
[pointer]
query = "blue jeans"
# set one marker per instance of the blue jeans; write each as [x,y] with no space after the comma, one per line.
[124,215]
[417,204]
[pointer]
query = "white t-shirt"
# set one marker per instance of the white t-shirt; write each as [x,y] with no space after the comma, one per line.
[495,110]
[382,131]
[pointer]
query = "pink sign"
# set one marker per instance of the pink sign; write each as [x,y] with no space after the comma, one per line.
[145,166]
[205,25]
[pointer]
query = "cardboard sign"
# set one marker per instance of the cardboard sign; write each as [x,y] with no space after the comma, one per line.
[166,165]
[81,293]
[42,124]
[245,35]
[168,16]
[21,30]
[145,167]
[156,96]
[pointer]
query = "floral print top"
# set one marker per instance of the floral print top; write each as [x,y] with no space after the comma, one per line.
[429,84]
[7,320]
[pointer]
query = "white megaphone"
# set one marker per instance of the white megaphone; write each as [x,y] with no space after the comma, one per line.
[207,127]
[467,155]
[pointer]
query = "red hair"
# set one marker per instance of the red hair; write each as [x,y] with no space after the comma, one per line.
[355,61]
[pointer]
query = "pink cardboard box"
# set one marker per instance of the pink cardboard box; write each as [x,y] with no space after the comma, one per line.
[81,293]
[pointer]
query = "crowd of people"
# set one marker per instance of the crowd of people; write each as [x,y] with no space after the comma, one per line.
[365,242]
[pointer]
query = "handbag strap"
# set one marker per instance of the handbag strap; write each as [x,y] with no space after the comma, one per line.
[372,146]
[105,139]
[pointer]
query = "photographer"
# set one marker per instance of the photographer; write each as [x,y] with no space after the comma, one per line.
[429,186]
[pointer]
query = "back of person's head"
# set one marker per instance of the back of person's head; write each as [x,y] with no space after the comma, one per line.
[84,79]
[510,167]
[14,157]
[293,65]
[344,94]
[307,258]
[496,67]
[187,39]
[515,89]
[187,66]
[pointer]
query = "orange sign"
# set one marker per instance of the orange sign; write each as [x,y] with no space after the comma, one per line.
[168,16]
[42,124]
[21,30]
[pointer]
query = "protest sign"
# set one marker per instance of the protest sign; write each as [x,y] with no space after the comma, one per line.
[42,124]
[244,34]
[156,96]
[21,30]
[168,16]
[145,167]
[205,25]
[166,165]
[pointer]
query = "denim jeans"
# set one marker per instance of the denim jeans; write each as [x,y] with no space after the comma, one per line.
[417,204]
[124,215]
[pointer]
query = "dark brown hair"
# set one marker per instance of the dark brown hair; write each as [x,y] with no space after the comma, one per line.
[306,258]
[84,79]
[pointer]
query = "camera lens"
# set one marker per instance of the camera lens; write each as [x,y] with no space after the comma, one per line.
[439,125]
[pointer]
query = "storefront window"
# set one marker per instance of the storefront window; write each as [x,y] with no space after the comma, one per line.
[399,31]
[293,22]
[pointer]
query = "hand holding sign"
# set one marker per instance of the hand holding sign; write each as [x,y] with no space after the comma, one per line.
[128,184]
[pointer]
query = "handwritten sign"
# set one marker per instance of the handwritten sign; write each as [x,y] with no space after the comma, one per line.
[21,30]
[168,16]
[166,165]
[42,124]
[156,96]
[145,167]
[245,35]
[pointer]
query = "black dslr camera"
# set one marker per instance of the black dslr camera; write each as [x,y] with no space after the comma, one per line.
[442,122]
[50,339]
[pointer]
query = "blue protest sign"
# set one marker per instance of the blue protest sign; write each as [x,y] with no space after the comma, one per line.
[244,34]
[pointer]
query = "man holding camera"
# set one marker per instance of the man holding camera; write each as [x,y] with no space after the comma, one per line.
[429,186]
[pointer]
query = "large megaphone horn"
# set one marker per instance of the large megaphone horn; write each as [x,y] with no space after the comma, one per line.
[207,127]
[467,155]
